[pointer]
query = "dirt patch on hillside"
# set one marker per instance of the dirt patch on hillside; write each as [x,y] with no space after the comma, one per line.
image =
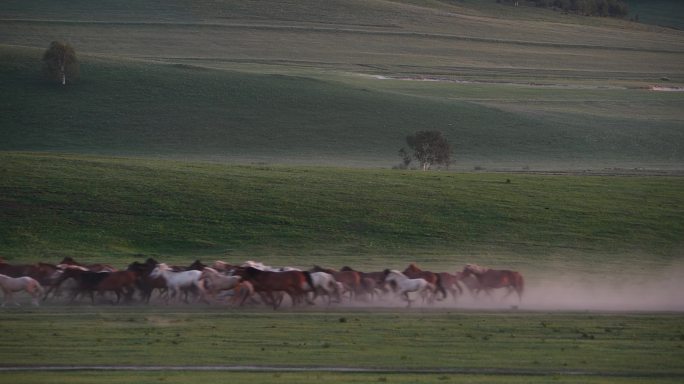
[526,84]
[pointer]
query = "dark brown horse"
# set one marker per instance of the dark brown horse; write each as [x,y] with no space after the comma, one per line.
[294,283]
[413,272]
[496,278]
[146,283]
[86,281]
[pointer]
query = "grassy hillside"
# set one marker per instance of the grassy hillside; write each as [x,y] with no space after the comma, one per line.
[130,107]
[117,209]
[297,82]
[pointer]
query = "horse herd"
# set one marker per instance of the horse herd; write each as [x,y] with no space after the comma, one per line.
[246,283]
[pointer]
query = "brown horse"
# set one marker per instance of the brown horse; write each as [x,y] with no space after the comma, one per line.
[450,283]
[371,282]
[413,272]
[122,283]
[42,272]
[494,278]
[350,280]
[294,283]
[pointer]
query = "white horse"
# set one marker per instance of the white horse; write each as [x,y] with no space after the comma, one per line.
[403,285]
[215,281]
[267,268]
[325,284]
[176,281]
[10,285]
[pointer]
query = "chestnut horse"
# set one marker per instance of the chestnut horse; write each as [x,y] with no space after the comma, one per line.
[414,272]
[294,283]
[494,278]
[450,283]
[371,282]
[122,283]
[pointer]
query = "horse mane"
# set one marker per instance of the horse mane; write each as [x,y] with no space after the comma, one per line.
[413,267]
[69,260]
[197,265]
[151,261]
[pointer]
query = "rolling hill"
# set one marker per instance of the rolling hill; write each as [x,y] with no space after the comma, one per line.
[330,83]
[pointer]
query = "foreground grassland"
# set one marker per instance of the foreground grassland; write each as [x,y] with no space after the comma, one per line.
[510,342]
[117,210]
[314,378]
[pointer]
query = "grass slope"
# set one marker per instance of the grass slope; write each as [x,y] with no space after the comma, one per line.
[178,110]
[117,209]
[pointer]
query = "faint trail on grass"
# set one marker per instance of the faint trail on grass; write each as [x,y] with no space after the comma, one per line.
[257,369]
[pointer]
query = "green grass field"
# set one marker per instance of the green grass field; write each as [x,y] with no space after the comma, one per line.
[647,345]
[113,209]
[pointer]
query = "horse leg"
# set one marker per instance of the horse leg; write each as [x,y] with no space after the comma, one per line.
[273,300]
[405,296]
[6,294]
[34,291]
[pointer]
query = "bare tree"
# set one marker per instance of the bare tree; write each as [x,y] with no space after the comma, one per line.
[429,148]
[60,62]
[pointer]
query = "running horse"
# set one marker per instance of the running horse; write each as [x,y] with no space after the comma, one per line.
[10,285]
[294,283]
[414,272]
[350,280]
[403,285]
[371,282]
[145,283]
[489,279]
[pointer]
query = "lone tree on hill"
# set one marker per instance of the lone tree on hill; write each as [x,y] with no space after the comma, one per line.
[60,62]
[429,147]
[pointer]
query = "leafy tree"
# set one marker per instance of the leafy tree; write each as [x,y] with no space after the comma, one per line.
[429,148]
[60,62]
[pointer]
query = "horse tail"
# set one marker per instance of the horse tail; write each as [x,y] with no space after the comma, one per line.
[440,287]
[309,280]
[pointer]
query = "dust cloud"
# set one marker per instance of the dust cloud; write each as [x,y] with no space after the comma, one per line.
[596,292]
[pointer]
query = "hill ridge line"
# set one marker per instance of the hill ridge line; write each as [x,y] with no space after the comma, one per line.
[346,30]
